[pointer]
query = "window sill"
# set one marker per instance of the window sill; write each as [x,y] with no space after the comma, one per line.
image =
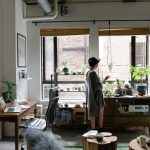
[70,101]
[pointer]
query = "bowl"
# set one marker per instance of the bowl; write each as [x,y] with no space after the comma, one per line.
[99,137]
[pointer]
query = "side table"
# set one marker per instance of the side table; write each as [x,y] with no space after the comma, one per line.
[108,143]
[133,145]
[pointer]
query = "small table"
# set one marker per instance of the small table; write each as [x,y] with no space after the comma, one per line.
[16,118]
[108,143]
[134,145]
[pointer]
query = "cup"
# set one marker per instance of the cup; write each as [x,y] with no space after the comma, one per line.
[99,137]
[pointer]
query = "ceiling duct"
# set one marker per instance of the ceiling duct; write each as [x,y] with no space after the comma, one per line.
[46,6]
[126,1]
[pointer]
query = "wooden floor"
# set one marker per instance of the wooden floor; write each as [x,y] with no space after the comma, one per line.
[72,136]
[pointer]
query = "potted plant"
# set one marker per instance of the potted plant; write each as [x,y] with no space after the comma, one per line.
[84,68]
[108,89]
[65,68]
[118,88]
[138,74]
[9,91]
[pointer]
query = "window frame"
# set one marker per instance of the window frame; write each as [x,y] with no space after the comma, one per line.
[54,80]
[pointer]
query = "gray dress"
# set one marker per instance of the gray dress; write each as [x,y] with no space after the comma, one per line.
[94,94]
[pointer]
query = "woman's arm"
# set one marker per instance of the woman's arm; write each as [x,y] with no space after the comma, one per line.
[106,78]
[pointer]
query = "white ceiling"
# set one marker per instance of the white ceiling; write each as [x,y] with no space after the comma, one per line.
[104,1]
[88,1]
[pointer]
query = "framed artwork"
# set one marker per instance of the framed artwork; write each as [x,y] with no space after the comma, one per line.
[21,50]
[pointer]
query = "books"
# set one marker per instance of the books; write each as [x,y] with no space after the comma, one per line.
[91,133]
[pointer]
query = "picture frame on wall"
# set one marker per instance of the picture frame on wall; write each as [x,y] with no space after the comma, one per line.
[21,50]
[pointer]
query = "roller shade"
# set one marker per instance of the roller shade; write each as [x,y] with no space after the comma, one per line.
[102,31]
[123,31]
[62,32]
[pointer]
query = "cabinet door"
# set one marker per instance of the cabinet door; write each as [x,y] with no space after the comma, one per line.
[109,112]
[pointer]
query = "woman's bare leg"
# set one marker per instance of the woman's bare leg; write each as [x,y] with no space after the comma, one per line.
[101,118]
[92,121]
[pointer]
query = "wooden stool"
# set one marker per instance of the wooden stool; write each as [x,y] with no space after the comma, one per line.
[108,143]
[134,145]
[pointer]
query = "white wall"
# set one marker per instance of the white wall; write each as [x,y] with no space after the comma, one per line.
[12,22]
[0,50]
[34,62]
[82,13]
[0,41]
[8,40]
[21,28]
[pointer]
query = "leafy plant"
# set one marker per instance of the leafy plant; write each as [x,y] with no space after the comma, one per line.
[8,86]
[138,73]
[84,68]
[64,63]
[107,89]
[65,68]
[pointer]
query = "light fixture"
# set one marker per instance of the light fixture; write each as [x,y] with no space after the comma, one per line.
[109,54]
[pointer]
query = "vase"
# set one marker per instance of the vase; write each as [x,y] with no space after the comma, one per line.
[141,89]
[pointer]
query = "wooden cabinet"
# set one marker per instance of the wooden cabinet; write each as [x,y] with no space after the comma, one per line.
[124,111]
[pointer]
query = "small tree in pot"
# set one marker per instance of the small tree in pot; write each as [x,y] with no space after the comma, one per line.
[138,74]
[9,91]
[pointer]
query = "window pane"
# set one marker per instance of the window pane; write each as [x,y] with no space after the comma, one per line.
[74,50]
[120,55]
[49,57]
[72,91]
[71,78]
[140,51]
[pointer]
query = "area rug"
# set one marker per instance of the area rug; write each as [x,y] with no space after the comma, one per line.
[73,148]
[119,147]
[122,146]
[80,148]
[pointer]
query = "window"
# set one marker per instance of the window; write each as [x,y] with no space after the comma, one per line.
[73,49]
[140,51]
[120,54]
[125,51]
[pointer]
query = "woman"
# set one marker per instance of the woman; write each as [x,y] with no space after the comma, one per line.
[94,95]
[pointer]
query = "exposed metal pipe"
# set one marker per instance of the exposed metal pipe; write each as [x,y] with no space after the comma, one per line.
[46,6]
[51,15]
[93,21]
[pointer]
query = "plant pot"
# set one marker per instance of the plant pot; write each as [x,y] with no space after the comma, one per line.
[65,70]
[9,104]
[5,96]
[141,89]
[118,91]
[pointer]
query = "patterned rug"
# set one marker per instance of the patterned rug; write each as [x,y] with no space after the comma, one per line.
[121,146]
[80,148]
